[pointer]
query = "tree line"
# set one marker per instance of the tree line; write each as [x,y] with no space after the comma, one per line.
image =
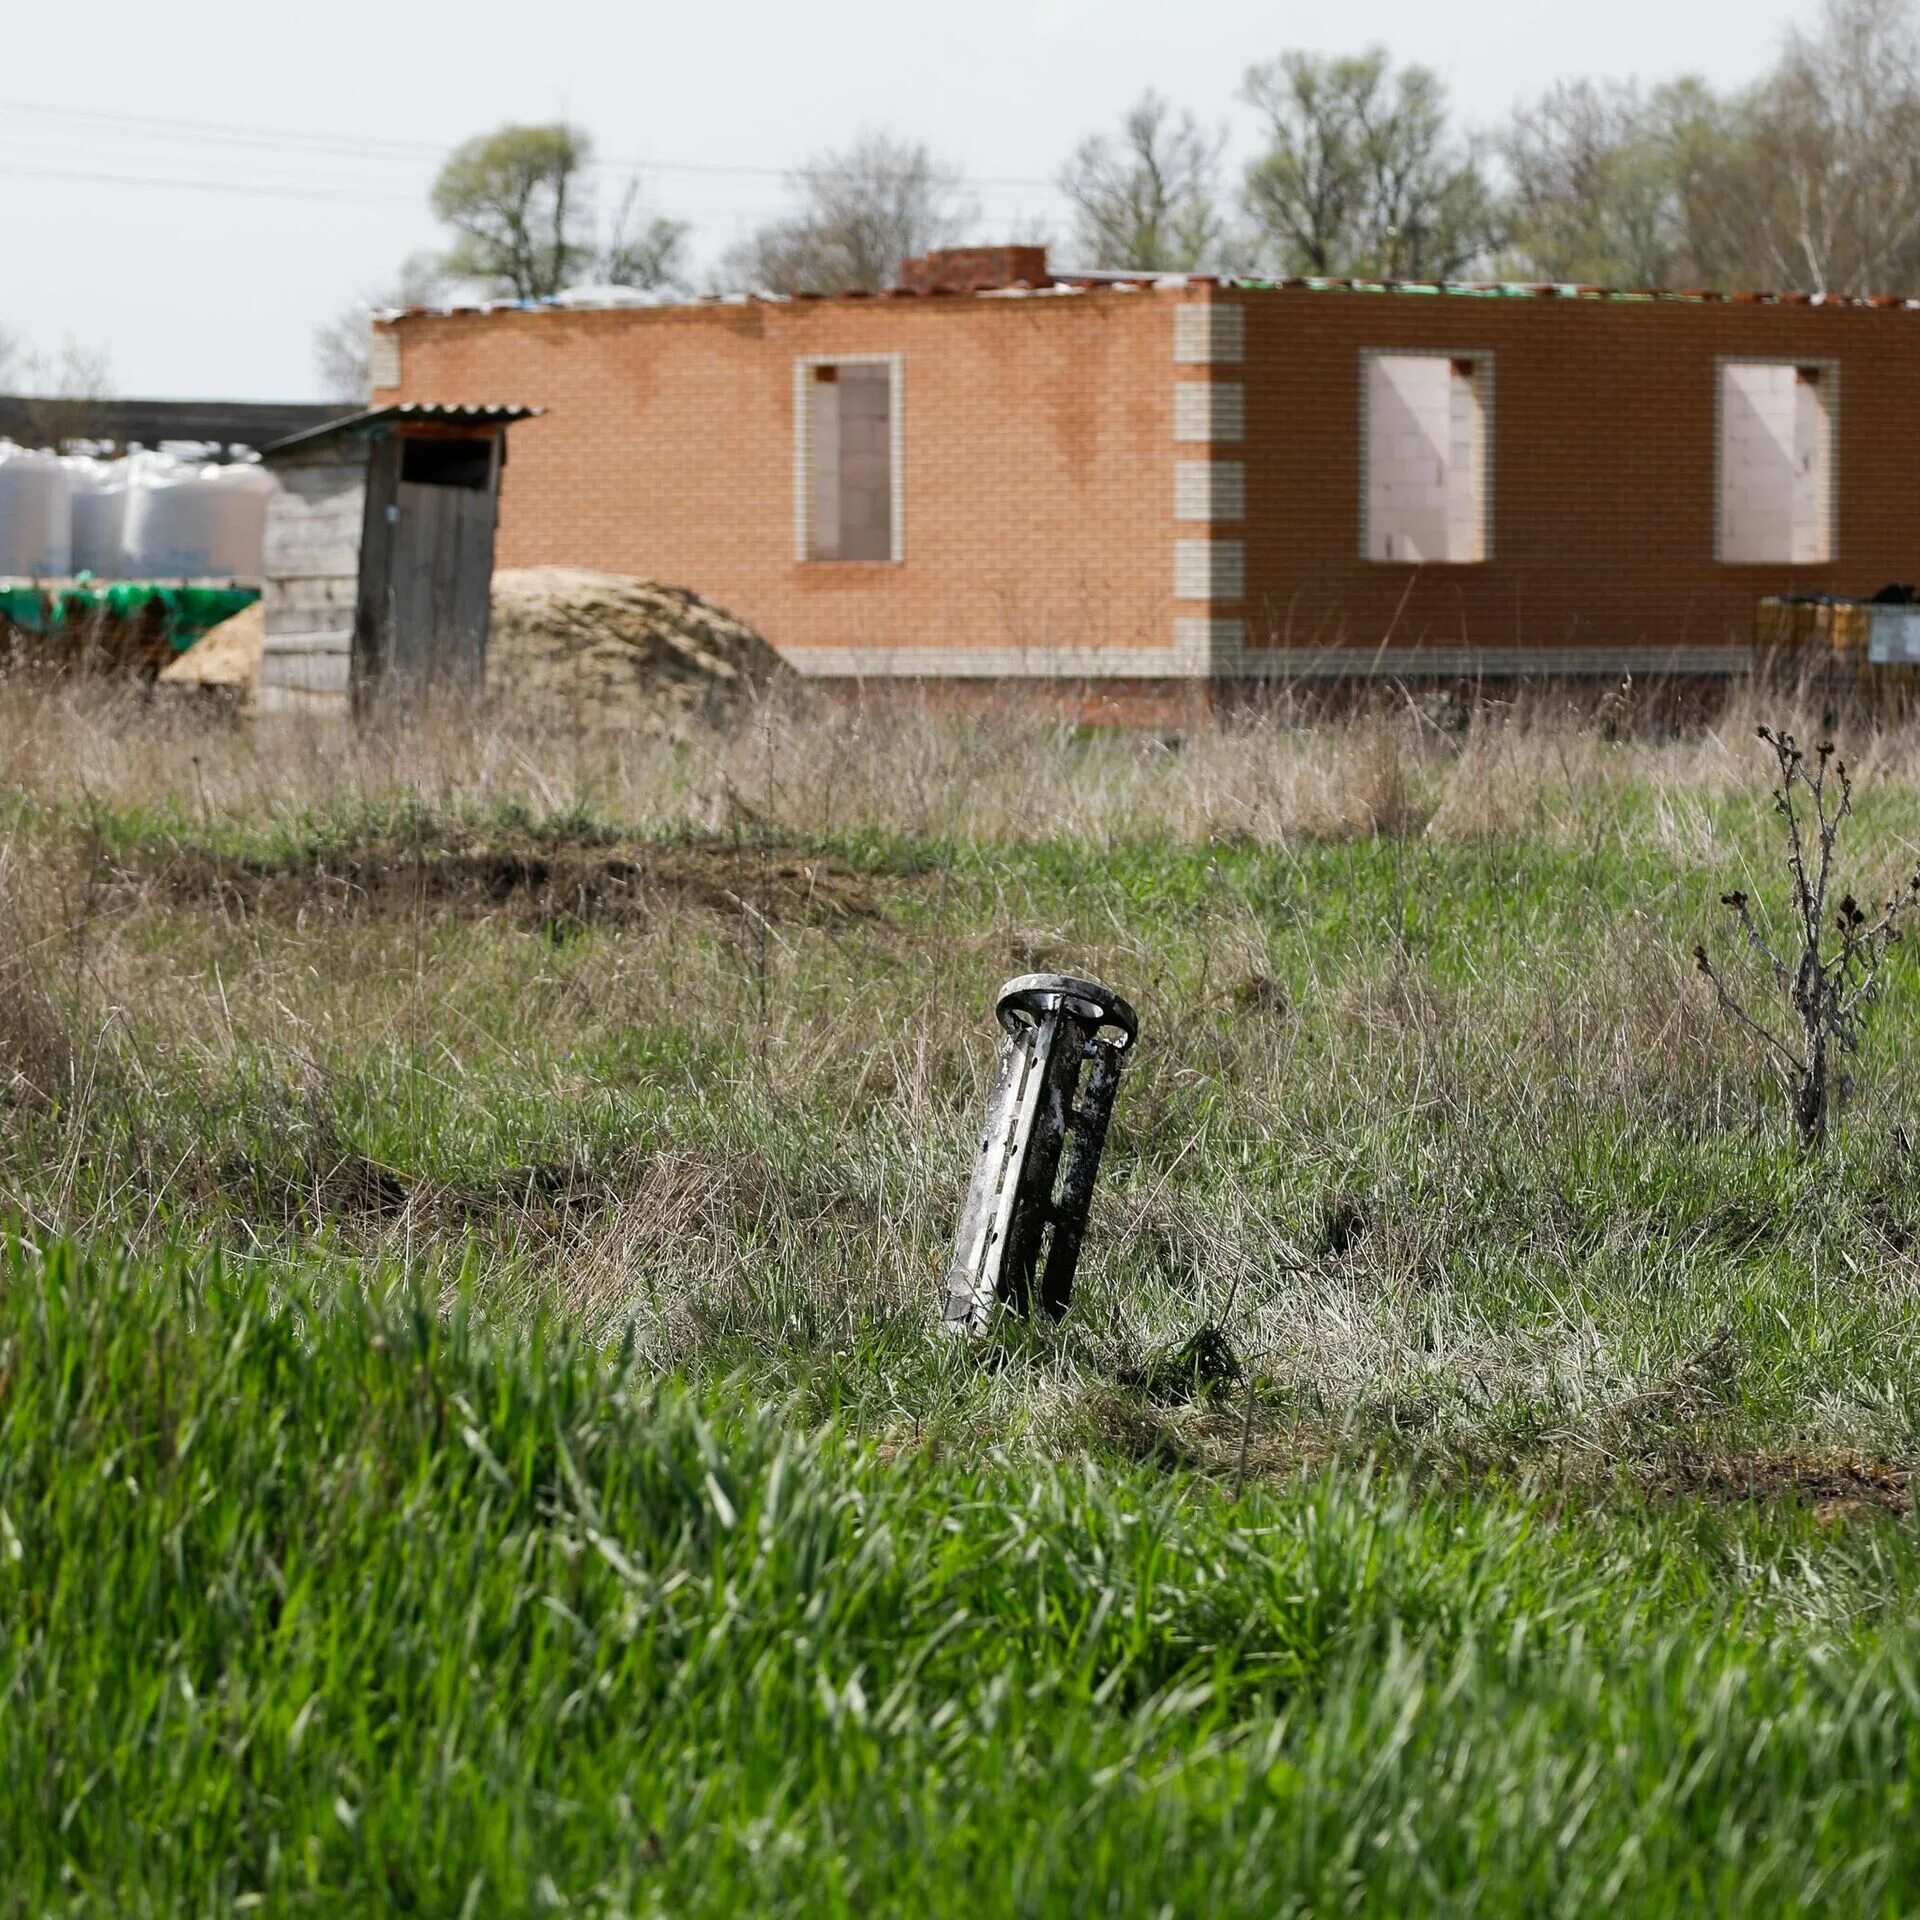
[1809,178]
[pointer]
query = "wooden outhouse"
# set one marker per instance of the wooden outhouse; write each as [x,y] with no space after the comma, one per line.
[379,558]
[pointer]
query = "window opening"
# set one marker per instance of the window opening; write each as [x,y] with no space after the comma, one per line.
[1776,463]
[1426,458]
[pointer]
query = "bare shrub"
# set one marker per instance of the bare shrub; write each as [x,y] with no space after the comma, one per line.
[1829,972]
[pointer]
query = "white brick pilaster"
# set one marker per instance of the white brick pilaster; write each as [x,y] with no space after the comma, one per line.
[1209,490]
[1209,335]
[1209,569]
[1209,410]
[1207,648]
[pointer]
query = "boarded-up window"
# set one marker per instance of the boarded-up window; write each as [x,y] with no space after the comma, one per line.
[1776,463]
[850,440]
[1425,483]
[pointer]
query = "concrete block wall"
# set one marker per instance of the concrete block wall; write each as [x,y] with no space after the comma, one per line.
[1213,570]
[862,480]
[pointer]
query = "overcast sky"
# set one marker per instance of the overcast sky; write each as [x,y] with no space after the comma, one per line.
[190,188]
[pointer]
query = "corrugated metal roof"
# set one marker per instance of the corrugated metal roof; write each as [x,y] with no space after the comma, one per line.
[439,414]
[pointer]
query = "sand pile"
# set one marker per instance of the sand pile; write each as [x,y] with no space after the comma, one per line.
[569,648]
[225,658]
[601,651]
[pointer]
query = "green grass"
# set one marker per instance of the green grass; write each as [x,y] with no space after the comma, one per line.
[473,1436]
[344,1606]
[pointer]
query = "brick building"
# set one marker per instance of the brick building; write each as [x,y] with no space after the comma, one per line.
[987,472]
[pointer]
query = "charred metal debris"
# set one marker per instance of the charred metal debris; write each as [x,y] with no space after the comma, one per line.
[1025,1217]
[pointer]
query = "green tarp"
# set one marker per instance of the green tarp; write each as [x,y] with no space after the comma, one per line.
[185,612]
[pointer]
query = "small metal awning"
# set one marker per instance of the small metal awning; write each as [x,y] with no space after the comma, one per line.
[424,412]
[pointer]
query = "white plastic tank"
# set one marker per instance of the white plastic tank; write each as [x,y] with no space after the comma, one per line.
[36,514]
[240,494]
[186,521]
[99,514]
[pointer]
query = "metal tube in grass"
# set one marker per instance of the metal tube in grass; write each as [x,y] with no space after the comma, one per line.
[1024,1219]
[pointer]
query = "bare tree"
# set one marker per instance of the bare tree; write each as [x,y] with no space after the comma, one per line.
[1594,194]
[340,353]
[63,389]
[1362,173]
[642,249]
[341,345]
[1149,200]
[862,212]
[1811,179]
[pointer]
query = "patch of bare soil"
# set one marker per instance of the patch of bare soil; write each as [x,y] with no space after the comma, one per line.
[530,883]
[1834,1487]
[1208,1437]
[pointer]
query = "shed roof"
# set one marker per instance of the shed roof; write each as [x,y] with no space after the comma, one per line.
[431,411]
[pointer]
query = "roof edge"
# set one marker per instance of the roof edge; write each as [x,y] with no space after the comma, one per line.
[1069,281]
[443,413]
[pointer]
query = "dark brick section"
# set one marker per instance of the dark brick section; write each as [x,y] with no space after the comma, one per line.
[1601,468]
[975,270]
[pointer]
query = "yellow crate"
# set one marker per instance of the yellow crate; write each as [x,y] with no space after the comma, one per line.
[1838,627]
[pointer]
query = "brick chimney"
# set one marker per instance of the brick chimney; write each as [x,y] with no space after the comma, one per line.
[975,269]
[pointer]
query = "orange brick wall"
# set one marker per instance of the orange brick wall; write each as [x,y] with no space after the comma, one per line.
[1037,460]
[1039,464]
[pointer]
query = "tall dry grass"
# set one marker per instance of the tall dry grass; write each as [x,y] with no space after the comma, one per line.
[808,764]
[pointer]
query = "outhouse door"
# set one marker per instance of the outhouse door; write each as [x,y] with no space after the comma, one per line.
[427,569]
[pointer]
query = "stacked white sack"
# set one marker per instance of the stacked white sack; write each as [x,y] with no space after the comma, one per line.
[36,514]
[185,521]
[99,490]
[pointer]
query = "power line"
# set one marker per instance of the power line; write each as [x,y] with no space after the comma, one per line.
[226,131]
[274,190]
[250,189]
[231,133]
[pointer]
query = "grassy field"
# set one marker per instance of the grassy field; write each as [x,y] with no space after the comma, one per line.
[474,1436]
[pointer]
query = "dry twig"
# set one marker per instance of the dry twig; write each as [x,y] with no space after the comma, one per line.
[1832,979]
